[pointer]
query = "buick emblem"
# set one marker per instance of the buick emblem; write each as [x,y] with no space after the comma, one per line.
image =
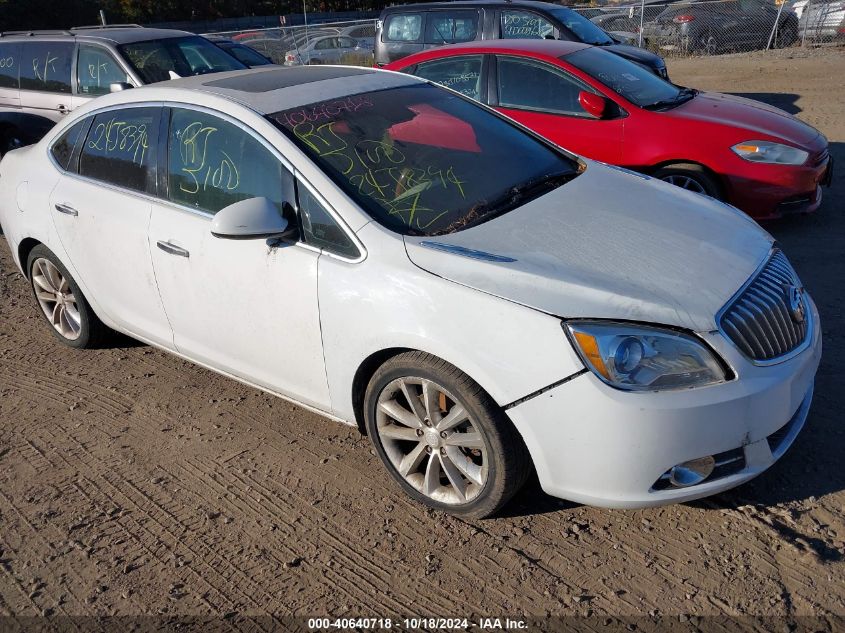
[796,303]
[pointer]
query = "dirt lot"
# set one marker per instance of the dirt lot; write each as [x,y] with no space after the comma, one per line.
[132,482]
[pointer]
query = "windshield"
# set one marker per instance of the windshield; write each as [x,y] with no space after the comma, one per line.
[174,57]
[586,31]
[637,84]
[424,161]
[246,55]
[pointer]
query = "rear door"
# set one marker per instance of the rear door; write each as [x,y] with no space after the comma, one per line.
[462,73]
[545,98]
[401,35]
[45,78]
[102,215]
[9,76]
[452,26]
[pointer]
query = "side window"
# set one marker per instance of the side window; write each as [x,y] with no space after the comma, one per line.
[458,73]
[120,149]
[46,66]
[9,65]
[213,163]
[527,84]
[404,27]
[96,70]
[319,228]
[62,149]
[449,27]
[525,25]
[346,42]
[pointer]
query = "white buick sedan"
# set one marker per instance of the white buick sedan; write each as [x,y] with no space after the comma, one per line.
[390,254]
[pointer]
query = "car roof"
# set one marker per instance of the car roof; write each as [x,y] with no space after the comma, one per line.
[531,4]
[116,35]
[267,90]
[548,48]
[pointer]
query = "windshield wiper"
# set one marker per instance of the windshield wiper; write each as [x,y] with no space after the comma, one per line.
[684,95]
[512,198]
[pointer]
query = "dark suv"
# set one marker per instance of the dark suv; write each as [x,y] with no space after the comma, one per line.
[410,28]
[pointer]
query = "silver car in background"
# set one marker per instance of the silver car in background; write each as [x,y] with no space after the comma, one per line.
[329,49]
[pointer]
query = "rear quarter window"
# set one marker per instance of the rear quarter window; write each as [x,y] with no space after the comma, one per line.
[404,27]
[45,66]
[62,149]
[9,65]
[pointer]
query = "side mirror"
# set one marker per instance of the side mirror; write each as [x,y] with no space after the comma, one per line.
[252,218]
[594,104]
[117,86]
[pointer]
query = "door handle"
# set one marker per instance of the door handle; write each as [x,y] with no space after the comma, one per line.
[171,249]
[63,208]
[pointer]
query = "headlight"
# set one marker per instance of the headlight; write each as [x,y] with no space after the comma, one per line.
[769,152]
[643,358]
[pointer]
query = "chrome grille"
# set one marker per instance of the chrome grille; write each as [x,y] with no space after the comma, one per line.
[760,320]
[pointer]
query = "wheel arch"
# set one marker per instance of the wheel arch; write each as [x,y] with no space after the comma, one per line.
[681,162]
[24,249]
[362,377]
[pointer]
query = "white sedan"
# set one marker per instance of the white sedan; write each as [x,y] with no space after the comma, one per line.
[391,254]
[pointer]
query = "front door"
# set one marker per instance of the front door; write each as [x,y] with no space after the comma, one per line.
[102,216]
[544,98]
[96,71]
[246,307]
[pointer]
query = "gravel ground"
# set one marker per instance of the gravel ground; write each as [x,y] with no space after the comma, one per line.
[132,482]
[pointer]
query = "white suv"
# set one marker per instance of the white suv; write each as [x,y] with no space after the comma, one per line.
[46,74]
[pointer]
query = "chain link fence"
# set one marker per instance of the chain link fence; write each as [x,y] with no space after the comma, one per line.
[712,27]
[670,28]
[350,42]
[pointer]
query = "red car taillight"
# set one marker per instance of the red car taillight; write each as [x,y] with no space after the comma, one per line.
[683,19]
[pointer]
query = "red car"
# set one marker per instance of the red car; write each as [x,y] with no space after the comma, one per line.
[754,156]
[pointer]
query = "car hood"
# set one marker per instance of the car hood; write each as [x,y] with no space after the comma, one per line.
[754,116]
[609,244]
[636,54]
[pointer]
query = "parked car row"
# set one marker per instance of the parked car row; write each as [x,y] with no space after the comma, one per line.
[507,235]
[489,304]
[717,26]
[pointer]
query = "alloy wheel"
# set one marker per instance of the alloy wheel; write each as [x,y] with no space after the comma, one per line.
[56,298]
[685,182]
[431,440]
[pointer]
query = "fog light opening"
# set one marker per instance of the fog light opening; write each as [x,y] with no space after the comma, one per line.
[692,472]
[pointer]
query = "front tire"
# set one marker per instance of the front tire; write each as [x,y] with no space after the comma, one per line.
[442,438]
[691,177]
[61,302]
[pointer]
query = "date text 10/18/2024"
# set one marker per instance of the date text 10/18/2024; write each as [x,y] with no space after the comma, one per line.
[412,624]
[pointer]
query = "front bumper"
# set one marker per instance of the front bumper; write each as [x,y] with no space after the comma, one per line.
[768,192]
[601,446]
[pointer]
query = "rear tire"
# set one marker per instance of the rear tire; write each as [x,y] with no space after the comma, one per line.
[691,177]
[61,302]
[442,438]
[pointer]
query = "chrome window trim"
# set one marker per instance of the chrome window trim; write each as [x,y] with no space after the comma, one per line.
[808,337]
[295,173]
